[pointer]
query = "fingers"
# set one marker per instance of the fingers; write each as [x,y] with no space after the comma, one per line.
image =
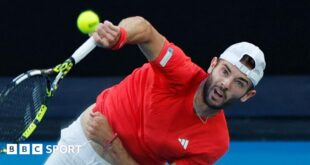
[106,34]
[91,133]
[111,26]
[96,120]
[93,114]
[93,125]
[98,128]
[100,41]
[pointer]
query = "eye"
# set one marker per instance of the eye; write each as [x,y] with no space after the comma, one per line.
[240,84]
[225,72]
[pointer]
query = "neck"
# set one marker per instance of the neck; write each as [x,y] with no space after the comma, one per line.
[201,108]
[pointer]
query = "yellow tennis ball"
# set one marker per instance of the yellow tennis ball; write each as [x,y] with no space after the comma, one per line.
[87,21]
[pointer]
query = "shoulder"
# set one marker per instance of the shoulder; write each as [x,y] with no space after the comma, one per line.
[170,53]
[172,57]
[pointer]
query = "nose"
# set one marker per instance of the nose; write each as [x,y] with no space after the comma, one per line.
[225,83]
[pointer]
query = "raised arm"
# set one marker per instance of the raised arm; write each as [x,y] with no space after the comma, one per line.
[139,31]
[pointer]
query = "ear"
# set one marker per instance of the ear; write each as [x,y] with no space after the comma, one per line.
[248,95]
[212,64]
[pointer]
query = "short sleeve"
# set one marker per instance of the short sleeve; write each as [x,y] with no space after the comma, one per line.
[175,65]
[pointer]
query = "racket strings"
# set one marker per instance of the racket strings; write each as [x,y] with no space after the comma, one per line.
[19,105]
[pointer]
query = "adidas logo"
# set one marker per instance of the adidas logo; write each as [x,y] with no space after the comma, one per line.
[184,143]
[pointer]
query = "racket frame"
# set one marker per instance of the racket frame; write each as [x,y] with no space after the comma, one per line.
[61,70]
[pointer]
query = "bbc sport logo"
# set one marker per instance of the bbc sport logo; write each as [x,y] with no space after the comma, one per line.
[39,149]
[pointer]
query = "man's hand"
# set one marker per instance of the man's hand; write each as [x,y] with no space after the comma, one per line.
[106,34]
[98,128]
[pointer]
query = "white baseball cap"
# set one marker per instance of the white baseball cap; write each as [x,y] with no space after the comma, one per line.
[234,54]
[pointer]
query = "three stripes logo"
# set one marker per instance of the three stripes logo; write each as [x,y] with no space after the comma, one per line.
[184,143]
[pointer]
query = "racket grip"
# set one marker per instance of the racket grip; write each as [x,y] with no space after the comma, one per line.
[84,50]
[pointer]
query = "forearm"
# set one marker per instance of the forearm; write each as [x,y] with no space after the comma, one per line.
[138,30]
[119,155]
[141,32]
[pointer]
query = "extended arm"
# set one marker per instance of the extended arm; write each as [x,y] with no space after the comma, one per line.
[139,31]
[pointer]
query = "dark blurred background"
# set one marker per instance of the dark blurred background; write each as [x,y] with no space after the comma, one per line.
[36,33]
[41,34]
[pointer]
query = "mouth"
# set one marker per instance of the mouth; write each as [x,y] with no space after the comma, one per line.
[214,96]
[217,94]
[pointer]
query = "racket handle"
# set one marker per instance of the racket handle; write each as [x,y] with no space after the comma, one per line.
[83,50]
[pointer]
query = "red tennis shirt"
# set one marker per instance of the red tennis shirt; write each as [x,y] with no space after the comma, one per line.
[152,112]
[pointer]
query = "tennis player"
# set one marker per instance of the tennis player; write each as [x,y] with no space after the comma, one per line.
[168,110]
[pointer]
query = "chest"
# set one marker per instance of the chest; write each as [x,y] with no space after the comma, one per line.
[180,138]
[170,125]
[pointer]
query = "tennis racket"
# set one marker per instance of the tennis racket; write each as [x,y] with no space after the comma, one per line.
[24,102]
